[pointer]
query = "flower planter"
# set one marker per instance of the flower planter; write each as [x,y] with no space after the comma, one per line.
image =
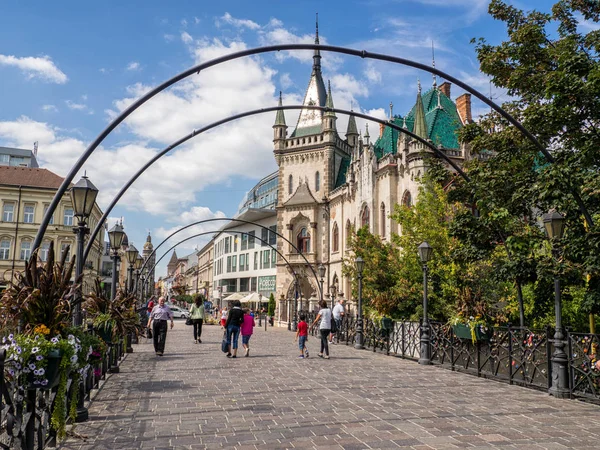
[463,331]
[51,376]
[105,334]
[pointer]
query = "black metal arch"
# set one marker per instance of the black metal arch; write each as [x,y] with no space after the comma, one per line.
[220,219]
[255,51]
[195,133]
[293,272]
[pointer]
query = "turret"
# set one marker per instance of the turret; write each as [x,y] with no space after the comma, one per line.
[279,128]
[329,118]
[420,128]
[352,132]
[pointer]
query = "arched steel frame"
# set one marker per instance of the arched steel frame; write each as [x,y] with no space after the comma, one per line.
[273,48]
[242,221]
[195,133]
[293,272]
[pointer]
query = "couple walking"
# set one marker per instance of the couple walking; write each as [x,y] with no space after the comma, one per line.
[238,320]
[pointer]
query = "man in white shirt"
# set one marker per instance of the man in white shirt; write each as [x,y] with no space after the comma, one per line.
[338,316]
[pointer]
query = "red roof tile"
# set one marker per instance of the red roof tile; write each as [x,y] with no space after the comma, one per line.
[30,177]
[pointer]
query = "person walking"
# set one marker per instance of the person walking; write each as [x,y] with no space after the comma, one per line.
[247,329]
[224,317]
[197,316]
[338,316]
[302,336]
[325,316]
[159,316]
[235,318]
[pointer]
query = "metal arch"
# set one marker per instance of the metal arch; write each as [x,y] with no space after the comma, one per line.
[217,219]
[255,51]
[210,232]
[194,133]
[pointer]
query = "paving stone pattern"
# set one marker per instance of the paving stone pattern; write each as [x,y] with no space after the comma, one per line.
[194,397]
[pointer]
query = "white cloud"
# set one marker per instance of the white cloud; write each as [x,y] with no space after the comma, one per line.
[168,37]
[196,21]
[79,106]
[184,23]
[372,74]
[238,23]
[285,81]
[133,66]
[49,108]
[36,67]
[186,38]
[104,70]
[349,84]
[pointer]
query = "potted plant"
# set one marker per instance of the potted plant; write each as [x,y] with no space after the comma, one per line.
[112,318]
[472,319]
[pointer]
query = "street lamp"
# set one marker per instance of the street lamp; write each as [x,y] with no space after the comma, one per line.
[295,325]
[132,254]
[83,197]
[333,292]
[360,265]
[554,223]
[425,252]
[321,270]
[139,262]
[115,238]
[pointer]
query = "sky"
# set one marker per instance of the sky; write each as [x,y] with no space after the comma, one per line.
[68,68]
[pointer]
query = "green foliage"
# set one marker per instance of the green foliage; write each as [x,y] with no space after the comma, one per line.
[271,306]
[189,299]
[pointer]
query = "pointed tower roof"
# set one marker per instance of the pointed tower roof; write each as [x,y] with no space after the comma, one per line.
[420,128]
[173,259]
[309,121]
[352,128]
[148,245]
[280,118]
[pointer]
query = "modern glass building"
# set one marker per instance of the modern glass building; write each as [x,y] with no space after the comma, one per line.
[263,195]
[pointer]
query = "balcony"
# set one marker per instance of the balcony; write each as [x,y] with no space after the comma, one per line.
[296,258]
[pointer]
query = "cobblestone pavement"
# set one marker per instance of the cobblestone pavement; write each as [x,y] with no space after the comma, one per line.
[194,397]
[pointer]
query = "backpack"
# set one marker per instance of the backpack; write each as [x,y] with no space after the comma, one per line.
[333,324]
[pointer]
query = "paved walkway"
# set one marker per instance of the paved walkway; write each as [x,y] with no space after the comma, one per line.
[194,397]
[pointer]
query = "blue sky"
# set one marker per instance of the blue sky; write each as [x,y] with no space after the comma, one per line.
[66,68]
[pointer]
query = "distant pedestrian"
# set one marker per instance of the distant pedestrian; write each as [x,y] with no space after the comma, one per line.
[325,316]
[224,317]
[338,316]
[150,306]
[247,329]
[302,336]
[159,316]
[197,316]
[235,318]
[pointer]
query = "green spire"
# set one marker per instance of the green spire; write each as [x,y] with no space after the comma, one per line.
[280,118]
[420,128]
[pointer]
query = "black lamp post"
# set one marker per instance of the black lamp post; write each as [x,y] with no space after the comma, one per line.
[139,262]
[360,265]
[554,223]
[295,325]
[115,238]
[425,251]
[333,292]
[83,197]
[321,270]
[132,255]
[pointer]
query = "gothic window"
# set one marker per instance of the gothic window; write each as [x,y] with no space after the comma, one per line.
[303,241]
[335,240]
[348,232]
[317,182]
[407,199]
[383,219]
[365,217]
[290,185]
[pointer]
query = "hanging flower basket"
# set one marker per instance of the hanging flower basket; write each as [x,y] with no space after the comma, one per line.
[477,333]
[51,376]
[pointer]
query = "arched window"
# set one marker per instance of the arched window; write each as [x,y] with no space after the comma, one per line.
[335,238]
[365,217]
[317,182]
[25,249]
[44,248]
[5,248]
[303,241]
[348,232]
[407,199]
[383,217]
[290,185]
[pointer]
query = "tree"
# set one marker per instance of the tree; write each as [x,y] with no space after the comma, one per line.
[271,305]
[552,71]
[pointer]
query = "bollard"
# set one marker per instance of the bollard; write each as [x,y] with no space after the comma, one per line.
[266,323]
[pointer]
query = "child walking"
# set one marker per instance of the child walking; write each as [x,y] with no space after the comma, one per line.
[247,329]
[302,336]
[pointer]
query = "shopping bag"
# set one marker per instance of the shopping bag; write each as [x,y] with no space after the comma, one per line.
[225,344]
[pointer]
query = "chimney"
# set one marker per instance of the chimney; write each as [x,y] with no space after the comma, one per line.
[381,128]
[463,106]
[445,88]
